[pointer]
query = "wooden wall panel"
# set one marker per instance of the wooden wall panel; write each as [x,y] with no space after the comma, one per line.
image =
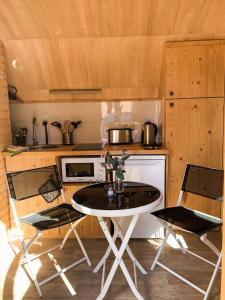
[194,70]
[4,103]
[5,137]
[4,203]
[223,231]
[29,19]
[122,67]
[193,134]
[115,45]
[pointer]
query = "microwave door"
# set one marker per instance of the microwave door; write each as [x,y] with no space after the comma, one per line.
[80,171]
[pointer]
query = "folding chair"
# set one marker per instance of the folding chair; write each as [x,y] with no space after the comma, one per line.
[45,182]
[205,182]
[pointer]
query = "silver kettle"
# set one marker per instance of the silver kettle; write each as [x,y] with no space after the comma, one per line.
[149,132]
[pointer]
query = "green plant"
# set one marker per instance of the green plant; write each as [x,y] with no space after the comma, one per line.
[116,163]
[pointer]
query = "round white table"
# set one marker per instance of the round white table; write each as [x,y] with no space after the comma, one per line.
[137,198]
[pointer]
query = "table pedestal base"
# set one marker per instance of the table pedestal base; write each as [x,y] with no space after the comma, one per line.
[118,256]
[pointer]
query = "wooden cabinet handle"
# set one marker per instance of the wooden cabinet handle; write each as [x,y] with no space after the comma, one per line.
[171,93]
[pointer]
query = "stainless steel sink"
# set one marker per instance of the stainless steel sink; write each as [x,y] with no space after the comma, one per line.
[43,147]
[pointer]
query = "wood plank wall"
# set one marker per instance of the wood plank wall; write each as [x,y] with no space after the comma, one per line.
[4,140]
[124,68]
[114,45]
[193,111]
[223,241]
[193,135]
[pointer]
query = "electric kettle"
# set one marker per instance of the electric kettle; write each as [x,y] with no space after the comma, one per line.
[149,132]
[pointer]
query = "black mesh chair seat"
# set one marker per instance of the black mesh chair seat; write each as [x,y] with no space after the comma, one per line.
[191,220]
[54,217]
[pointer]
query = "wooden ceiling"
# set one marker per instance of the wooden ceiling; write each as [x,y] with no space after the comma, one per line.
[115,45]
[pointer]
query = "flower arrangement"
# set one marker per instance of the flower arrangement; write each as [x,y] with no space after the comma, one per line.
[116,164]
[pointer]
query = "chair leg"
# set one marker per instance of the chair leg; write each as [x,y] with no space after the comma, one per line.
[160,250]
[178,242]
[32,275]
[66,237]
[213,276]
[206,242]
[28,245]
[73,225]
[82,247]
[73,229]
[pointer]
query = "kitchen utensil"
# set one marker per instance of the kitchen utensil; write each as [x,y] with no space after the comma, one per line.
[66,126]
[34,124]
[71,128]
[75,124]
[118,136]
[67,130]
[56,124]
[149,132]
[45,123]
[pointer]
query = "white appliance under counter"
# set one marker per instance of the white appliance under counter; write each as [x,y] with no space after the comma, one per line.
[148,169]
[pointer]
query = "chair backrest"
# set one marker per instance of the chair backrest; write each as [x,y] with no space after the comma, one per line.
[203,181]
[29,183]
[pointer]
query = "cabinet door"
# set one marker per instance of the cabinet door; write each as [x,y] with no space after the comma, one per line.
[193,134]
[194,71]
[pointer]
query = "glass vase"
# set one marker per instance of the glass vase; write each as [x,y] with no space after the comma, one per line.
[118,185]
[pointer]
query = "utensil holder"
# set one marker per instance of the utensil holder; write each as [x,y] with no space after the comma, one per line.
[21,140]
[68,138]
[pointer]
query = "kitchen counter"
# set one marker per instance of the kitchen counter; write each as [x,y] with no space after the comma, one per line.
[114,149]
[46,157]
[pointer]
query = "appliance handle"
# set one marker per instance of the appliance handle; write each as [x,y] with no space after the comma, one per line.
[142,162]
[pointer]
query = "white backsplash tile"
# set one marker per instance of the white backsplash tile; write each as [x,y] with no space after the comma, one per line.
[95,117]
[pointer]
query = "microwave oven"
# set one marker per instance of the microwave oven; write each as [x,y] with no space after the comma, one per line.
[82,169]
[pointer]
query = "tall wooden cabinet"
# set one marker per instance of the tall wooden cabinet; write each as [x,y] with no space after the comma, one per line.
[4,140]
[194,69]
[193,134]
[193,112]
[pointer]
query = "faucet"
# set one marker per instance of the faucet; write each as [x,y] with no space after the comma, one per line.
[34,122]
